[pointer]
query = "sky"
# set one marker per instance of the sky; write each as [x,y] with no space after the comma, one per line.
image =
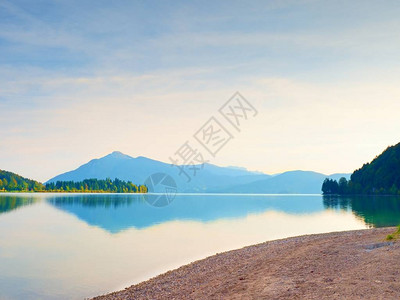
[80,79]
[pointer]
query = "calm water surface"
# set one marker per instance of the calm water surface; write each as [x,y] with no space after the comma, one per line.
[75,246]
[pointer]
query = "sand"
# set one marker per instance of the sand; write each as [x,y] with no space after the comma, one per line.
[344,265]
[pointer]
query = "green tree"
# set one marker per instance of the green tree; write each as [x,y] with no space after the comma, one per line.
[330,187]
[5,183]
[343,186]
[13,184]
[393,190]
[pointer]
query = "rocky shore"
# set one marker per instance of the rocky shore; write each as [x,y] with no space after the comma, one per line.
[343,265]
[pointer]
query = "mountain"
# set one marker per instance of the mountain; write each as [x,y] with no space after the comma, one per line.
[115,165]
[125,167]
[380,176]
[211,178]
[292,182]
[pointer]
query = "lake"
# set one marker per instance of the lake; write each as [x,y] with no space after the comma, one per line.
[72,246]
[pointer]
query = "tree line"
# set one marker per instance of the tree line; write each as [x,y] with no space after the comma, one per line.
[96,185]
[349,187]
[11,182]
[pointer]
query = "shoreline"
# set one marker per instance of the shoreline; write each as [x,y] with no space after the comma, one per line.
[358,264]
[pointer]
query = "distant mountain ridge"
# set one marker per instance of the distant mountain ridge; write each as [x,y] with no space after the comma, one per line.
[125,167]
[210,178]
[291,182]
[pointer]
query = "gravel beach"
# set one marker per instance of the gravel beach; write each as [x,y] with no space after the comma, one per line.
[342,265]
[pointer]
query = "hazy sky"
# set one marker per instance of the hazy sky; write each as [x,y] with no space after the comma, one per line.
[80,79]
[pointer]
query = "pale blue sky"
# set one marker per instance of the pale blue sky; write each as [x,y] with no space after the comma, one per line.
[79,79]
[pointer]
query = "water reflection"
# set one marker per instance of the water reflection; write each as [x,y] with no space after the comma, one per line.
[71,246]
[62,248]
[11,202]
[115,213]
[376,211]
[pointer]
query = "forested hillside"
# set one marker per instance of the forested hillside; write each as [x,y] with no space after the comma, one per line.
[379,177]
[11,182]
